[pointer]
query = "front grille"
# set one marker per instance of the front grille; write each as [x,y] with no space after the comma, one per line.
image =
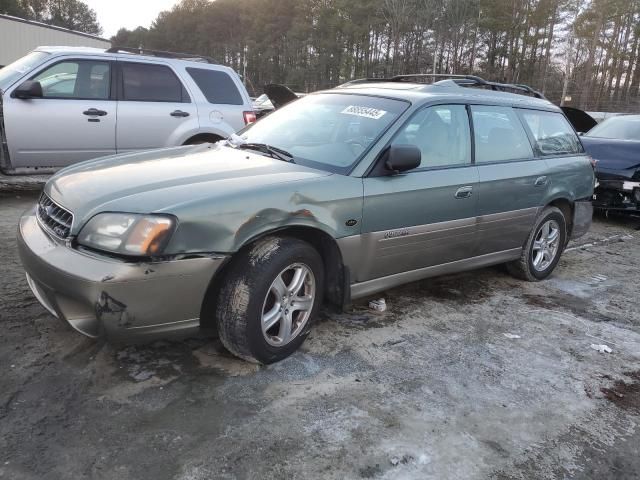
[53,217]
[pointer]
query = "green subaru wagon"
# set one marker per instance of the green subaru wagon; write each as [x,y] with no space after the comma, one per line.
[336,196]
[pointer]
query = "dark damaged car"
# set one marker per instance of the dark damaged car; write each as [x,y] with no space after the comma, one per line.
[336,196]
[615,145]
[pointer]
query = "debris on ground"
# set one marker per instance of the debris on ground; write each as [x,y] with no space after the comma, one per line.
[601,348]
[379,305]
[511,335]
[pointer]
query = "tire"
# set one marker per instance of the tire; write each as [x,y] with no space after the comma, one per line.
[252,293]
[529,267]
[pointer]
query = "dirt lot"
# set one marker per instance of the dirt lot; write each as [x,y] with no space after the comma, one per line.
[437,387]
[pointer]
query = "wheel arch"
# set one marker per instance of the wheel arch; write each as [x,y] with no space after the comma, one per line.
[203,137]
[336,281]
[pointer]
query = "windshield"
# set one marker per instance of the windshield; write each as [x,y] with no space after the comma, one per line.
[17,69]
[326,131]
[621,128]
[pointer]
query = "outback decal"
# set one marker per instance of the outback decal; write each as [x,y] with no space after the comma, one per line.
[366,112]
[403,232]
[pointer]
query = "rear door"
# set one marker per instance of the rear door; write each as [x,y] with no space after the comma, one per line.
[513,181]
[426,216]
[222,104]
[568,168]
[154,108]
[75,119]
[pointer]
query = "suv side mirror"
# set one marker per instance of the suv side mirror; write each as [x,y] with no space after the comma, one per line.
[401,158]
[28,89]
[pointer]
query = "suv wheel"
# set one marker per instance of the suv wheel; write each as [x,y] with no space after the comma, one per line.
[271,294]
[541,252]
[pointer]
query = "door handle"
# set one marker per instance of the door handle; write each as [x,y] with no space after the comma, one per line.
[179,113]
[464,192]
[94,112]
[540,181]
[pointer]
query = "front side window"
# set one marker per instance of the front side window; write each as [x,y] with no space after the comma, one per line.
[217,87]
[441,133]
[144,82]
[76,79]
[552,132]
[499,135]
[329,131]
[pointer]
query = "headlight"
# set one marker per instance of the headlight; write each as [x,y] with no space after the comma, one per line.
[127,233]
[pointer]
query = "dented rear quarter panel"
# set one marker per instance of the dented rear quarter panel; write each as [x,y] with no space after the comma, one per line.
[571,178]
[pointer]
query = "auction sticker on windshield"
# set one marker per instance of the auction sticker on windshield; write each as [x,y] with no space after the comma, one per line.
[366,112]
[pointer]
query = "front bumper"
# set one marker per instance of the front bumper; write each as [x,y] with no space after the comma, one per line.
[620,195]
[104,297]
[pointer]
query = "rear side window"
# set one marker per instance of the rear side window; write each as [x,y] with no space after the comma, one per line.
[217,87]
[552,132]
[499,135]
[151,83]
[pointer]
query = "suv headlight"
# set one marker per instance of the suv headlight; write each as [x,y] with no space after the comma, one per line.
[128,233]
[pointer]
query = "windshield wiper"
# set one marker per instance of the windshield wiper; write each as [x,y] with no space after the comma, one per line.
[274,152]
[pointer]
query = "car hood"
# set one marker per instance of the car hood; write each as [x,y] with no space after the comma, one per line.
[163,180]
[614,157]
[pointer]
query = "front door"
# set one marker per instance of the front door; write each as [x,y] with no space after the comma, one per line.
[513,182]
[75,119]
[154,108]
[426,216]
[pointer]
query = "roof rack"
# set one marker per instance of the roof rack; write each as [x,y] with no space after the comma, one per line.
[162,54]
[460,80]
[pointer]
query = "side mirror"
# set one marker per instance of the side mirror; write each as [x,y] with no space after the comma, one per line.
[28,89]
[401,158]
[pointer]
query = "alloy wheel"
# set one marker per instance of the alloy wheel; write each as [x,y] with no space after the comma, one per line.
[546,245]
[288,304]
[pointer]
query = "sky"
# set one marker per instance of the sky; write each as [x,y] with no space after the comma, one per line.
[115,14]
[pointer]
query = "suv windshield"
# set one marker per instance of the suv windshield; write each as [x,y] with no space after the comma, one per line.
[622,128]
[326,131]
[17,69]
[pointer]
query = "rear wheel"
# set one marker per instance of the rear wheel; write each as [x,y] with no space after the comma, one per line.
[541,252]
[272,292]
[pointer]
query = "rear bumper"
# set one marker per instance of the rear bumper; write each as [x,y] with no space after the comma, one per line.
[103,297]
[582,217]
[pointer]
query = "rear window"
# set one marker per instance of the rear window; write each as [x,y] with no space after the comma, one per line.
[145,82]
[622,128]
[217,87]
[552,133]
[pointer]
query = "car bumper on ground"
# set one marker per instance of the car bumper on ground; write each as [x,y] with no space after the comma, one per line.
[104,297]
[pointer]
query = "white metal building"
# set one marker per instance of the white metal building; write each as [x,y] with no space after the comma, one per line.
[18,37]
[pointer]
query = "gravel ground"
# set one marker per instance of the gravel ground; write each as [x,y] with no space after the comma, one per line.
[469,376]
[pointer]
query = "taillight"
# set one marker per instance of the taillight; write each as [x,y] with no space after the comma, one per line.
[249,117]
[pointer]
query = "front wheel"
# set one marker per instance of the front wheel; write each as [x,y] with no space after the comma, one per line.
[271,293]
[541,252]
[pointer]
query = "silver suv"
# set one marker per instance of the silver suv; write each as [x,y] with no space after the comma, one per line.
[61,105]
